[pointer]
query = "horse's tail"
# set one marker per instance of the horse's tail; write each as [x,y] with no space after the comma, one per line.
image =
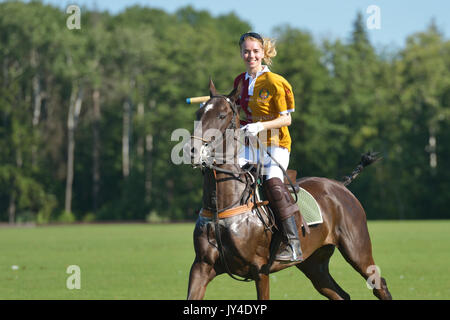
[366,159]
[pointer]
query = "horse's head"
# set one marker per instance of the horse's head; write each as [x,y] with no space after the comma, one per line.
[216,127]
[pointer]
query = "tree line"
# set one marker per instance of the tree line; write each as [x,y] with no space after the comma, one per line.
[86,115]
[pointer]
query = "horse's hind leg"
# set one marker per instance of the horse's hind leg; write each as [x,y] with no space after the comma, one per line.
[359,255]
[200,275]
[316,269]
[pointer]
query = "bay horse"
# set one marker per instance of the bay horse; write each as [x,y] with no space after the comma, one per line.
[240,244]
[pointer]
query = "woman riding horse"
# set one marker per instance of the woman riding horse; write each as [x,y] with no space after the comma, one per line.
[231,235]
[267,101]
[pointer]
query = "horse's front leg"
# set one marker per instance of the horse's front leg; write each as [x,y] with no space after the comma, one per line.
[199,277]
[262,287]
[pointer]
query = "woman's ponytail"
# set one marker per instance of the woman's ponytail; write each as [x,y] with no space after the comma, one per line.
[269,50]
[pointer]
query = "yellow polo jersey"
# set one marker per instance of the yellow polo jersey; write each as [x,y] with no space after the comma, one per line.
[272,97]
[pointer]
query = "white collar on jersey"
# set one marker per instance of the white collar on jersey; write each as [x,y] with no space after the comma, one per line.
[265,69]
[251,84]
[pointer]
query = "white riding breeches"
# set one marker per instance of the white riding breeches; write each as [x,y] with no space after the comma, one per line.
[270,168]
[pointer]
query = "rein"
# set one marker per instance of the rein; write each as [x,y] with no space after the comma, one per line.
[236,175]
[218,237]
[251,186]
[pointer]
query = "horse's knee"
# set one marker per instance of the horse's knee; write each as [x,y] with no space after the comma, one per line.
[201,271]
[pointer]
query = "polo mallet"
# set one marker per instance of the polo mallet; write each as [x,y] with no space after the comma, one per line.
[197,99]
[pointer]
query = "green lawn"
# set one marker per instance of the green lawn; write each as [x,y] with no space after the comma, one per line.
[143,261]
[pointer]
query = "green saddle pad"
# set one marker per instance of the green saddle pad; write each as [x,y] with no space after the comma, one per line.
[309,207]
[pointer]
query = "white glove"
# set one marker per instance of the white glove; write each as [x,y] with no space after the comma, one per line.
[253,128]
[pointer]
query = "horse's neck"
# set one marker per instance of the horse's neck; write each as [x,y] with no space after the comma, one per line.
[222,188]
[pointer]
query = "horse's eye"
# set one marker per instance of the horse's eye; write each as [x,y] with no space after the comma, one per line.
[222,116]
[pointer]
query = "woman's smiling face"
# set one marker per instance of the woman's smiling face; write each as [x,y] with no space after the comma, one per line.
[252,53]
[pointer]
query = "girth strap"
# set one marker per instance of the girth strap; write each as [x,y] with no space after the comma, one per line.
[233,211]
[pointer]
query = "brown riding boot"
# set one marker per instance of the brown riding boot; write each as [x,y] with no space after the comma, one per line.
[284,207]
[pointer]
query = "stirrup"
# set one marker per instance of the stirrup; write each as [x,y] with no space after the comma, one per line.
[288,253]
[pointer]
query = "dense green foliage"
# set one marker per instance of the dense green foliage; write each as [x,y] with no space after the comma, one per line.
[152,261]
[130,74]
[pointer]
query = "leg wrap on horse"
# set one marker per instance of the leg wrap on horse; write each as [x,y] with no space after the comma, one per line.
[284,207]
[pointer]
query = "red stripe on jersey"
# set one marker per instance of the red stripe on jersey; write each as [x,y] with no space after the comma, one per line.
[243,101]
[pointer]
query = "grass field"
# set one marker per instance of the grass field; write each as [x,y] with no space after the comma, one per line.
[143,261]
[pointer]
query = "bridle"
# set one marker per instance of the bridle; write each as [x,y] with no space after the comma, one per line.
[250,183]
[206,143]
[236,174]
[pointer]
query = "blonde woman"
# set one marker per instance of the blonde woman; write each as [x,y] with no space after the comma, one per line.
[267,101]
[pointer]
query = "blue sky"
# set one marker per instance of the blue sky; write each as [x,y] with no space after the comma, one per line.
[323,18]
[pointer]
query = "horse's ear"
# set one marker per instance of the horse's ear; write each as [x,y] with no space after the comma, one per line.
[212,88]
[236,92]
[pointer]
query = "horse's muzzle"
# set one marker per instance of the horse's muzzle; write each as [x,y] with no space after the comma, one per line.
[200,154]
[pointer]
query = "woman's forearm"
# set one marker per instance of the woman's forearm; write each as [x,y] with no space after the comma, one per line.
[283,121]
